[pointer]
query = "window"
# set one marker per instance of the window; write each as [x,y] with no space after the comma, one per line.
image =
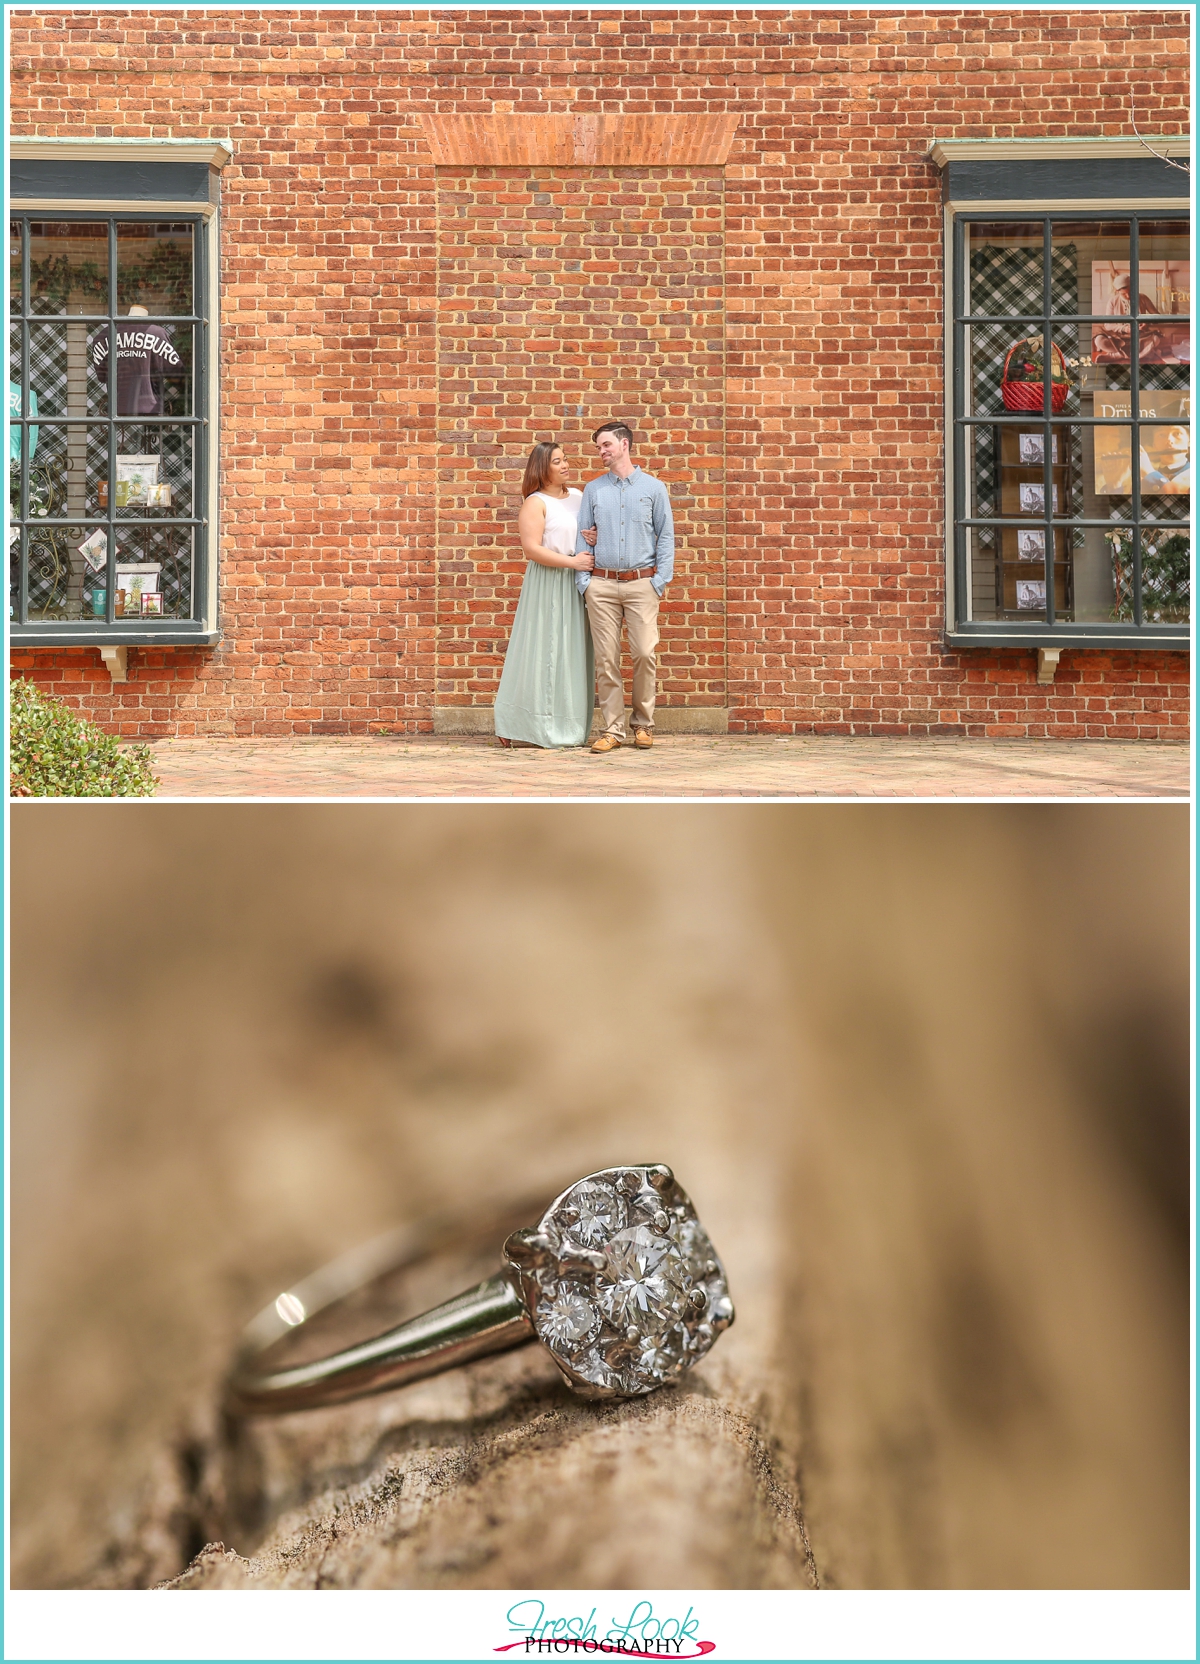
[1054,525]
[106,381]
[1071,421]
[112,466]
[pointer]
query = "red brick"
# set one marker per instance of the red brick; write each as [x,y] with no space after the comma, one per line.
[793,400]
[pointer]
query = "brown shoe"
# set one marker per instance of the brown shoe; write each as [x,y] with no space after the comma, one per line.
[643,739]
[606,742]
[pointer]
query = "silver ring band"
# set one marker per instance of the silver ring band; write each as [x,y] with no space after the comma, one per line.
[619,1281]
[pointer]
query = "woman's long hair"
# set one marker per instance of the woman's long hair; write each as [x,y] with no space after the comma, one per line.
[537,469]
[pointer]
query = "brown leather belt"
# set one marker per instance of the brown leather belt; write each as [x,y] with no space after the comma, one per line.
[625,577]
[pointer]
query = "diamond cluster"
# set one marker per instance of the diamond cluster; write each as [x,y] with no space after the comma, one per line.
[622,1282]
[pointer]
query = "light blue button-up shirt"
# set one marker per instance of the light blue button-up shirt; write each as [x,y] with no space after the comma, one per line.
[633,517]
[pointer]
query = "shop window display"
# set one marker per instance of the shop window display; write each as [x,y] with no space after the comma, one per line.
[1073,410]
[106,419]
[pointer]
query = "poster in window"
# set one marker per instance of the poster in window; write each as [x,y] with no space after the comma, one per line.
[1164,288]
[1031,545]
[1031,594]
[1166,453]
[1033,449]
[1033,499]
[135,477]
[134,582]
[94,550]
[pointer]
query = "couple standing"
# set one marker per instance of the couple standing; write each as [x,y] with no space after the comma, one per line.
[597,558]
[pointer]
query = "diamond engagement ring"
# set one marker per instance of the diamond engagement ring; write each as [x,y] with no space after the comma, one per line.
[618,1281]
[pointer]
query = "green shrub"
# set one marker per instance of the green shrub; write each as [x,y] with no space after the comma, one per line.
[55,753]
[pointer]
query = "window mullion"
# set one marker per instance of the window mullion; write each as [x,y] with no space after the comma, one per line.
[959,400]
[1135,411]
[110,571]
[1047,412]
[200,434]
[26,458]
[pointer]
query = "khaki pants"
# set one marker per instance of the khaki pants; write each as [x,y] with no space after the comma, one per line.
[608,602]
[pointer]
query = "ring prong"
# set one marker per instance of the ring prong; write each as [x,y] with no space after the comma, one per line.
[722,1313]
[528,1249]
[660,1177]
[580,1259]
[661,1222]
[697,1299]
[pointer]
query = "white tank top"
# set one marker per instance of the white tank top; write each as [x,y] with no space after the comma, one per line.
[562,520]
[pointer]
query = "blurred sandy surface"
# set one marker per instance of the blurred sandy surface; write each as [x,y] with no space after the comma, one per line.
[924,1071]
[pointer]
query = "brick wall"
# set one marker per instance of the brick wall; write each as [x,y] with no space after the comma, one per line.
[566,298]
[336,444]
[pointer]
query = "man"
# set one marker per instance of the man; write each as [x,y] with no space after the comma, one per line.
[1166,460]
[625,518]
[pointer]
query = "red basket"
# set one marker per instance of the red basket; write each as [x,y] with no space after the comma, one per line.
[1028,395]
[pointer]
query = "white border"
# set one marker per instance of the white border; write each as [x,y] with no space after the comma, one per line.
[473,1623]
[747,1624]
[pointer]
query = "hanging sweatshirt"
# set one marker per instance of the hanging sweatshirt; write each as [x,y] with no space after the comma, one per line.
[144,353]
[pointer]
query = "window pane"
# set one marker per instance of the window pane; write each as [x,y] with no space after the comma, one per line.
[1101,254]
[1081,251]
[96,470]
[48,468]
[1007,371]
[1072,367]
[14,265]
[1104,391]
[1166,456]
[154,366]
[14,570]
[1092,574]
[171,372]
[1005,269]
[1007,470]
[14,397]
[60,375]
[58,573]
[154,472]
[1108,465]
[154,561]
[154,268]
[1164,289]
[68,267]
[983,545]
[1166,575]
[1007,573]
[68,472]
[982,496]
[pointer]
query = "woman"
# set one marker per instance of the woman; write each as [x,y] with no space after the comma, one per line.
[546,692]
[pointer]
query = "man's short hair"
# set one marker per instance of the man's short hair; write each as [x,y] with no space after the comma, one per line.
[622,430]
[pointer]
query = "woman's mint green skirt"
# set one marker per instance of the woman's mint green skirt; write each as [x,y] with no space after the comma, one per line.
[547,689]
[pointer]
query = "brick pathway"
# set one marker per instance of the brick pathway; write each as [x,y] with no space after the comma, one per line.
[725,766]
